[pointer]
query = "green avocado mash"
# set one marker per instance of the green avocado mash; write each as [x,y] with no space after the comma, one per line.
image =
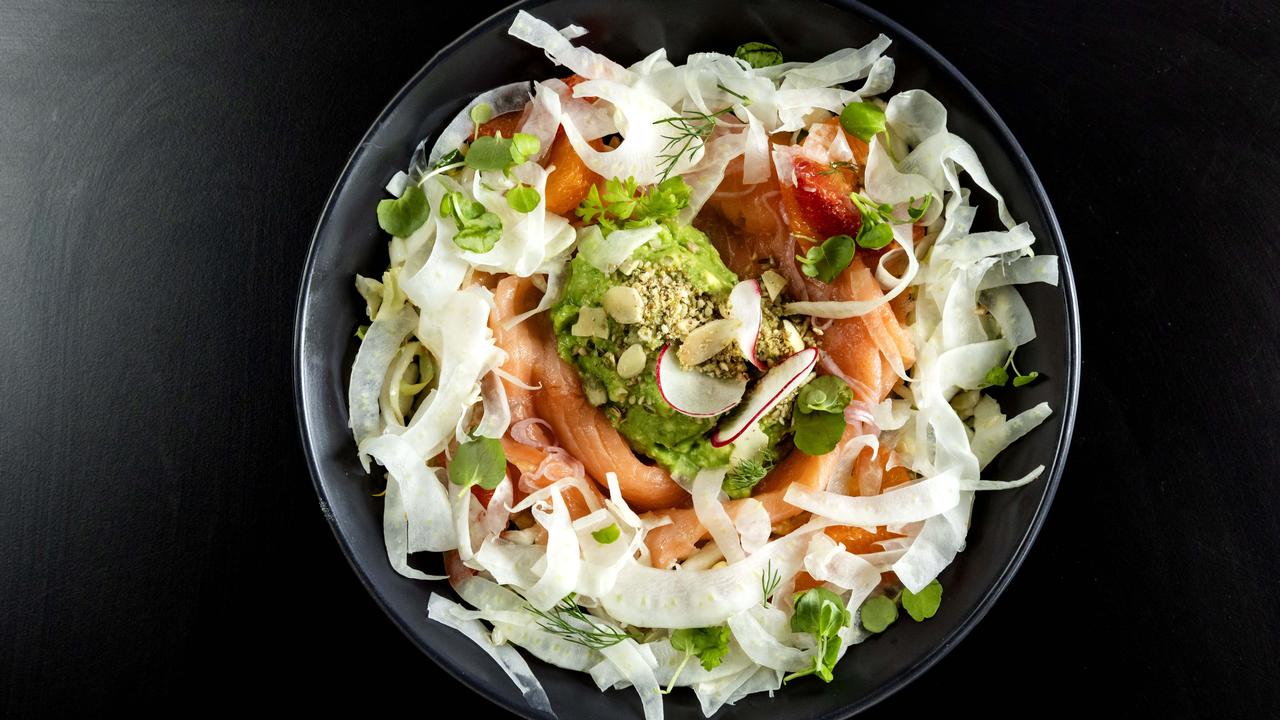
[681,283]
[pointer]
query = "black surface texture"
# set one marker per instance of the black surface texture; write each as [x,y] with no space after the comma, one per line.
[162,167]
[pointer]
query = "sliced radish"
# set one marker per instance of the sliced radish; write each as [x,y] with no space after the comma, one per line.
[692,393]
[765,396]
[744,305]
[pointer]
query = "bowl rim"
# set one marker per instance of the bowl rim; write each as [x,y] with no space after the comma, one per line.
[1073,348]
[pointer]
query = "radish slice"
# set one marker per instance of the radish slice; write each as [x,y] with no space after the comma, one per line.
[772,388]
[744,303]
[693,393]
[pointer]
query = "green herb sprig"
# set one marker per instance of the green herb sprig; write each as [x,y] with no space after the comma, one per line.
[623,205]
[820,613]
[828,260]
[478,229]
[876,229]
[567,621]
[708,644]
[758,54]
[401,216]
[878,613]
[494,152]
[478,461]
[689,133]
[999,375]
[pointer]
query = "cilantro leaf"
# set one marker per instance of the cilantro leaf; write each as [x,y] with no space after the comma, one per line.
[479,461]
[664,200]
[878,613]
[758,54]
[862,120]
[709,644]
[923,605]
[829,259]
[606,535]
[401,216]
[822,614]
[620,204]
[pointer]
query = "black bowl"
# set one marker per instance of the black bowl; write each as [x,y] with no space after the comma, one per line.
[348,241]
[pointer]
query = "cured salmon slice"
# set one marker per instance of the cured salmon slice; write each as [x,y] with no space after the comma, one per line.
[580,428]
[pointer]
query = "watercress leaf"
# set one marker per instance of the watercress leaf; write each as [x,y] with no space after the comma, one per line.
[817,433]
[874,236]
[824,394]
[916,212]
[606,535]
[1021,380]
[523,198]
[878,613]
[479,461]
[490,153]
[923,605]
[997,376]
[401,216]
[758,54]
[838,251]
[862,119]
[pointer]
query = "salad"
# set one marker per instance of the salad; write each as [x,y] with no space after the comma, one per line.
[683,368]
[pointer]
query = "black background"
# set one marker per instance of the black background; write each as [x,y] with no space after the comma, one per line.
[162,167]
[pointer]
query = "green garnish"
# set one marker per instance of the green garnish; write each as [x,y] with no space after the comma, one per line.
[758,54]
[478,229]
[690,133]
[479,461]
[770,579]
[999,375]
[923,605]
[494,152]
[742,477]
[862,119]
[604,536]
[824,394]
[829,259]
[523,198]
[480,114]
[876,229]
[453,157]
[709,644]
[401,216]
[361,330]
[878,613]
[820,613]
[619,205]
[818,421]
[569,622]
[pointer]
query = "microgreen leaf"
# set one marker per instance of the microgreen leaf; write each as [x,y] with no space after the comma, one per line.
[916,212]
[829,259]
[401,216]
[997,376]
[862,120]
[824,394]
[479,461]
[758,54]
[878,613]
[452,157]
[489,152]
[524,146]
[874,237]
[1020,380]
[523,198]
[607,535]
[822,614]
[478,229]
[481,113]
[923,605]
[709,644]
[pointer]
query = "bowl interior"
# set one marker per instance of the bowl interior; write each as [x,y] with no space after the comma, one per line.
[348,241]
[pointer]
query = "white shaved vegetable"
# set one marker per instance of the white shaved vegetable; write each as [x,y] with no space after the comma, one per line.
[583,593]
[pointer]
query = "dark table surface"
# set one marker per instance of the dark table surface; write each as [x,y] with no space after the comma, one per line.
[162,166]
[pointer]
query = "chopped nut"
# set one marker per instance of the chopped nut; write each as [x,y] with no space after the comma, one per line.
[705,342]
[624,304]
[794,341]
[592,322]
[773,283]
